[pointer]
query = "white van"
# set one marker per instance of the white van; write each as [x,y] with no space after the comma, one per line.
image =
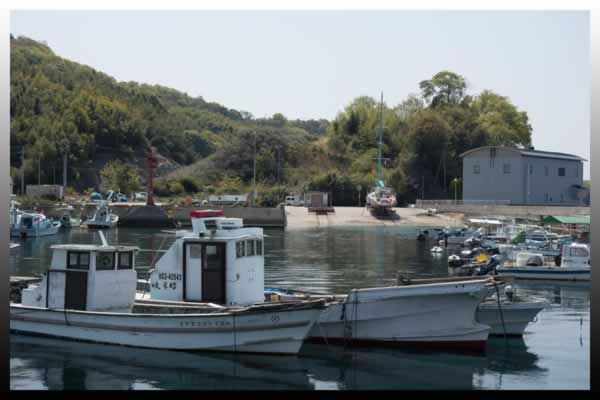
[294,200]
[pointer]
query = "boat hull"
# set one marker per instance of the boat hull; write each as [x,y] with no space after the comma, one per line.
[547,273]
[437,315]
[516,316]
[29,233]
[277,332]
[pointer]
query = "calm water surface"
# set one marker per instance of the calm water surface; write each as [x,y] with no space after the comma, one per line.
[553,354]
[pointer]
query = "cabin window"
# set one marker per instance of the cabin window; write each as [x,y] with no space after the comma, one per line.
[195,250]
[250,247]
[259,247]
[506,168]
[578,252]
[125,261]
[561,172]
[476,169]
[105,261]
[240,249]
[78,260]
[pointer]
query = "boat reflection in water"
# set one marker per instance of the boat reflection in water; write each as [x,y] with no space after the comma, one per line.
[39,362]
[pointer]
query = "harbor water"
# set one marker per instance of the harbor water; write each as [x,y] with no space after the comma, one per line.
[554,353]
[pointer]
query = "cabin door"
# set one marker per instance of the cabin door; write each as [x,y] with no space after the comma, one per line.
[193,271]
[76,283]
[213,273]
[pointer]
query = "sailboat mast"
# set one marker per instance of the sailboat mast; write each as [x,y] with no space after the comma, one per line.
[380,142]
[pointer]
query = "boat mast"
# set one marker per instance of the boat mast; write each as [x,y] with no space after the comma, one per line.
[378,182]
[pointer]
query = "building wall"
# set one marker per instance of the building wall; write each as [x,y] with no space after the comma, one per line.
[531,180]
[545,187]
[492,183]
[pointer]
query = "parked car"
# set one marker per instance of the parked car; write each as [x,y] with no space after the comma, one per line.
[96,197]
[140,196]
[122,198]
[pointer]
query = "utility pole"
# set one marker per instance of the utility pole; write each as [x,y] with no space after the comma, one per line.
[278,173]
[65,170]
[39,171]
[254,173]
[422,187]
[455,189]
[22,170]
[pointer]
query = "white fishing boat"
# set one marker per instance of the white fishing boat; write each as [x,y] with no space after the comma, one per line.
[512,313]
[103,218]
[28,224]
[66,218]
[440,315]
[89,294]
[573,264]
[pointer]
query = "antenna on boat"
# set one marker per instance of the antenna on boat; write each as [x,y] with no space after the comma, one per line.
[104,241]
[380,143]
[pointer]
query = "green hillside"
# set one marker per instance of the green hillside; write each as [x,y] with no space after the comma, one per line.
[59,106]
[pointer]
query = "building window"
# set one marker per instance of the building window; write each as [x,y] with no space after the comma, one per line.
[506,168]
[561,172]
[546,170]
[126,260]
[249,247]
[476,169]
[240,249]
[78,260]
[259,247]
[105,261]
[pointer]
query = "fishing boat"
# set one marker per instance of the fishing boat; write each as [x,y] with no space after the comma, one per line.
[572,264]
[103,218]
[28,224]
[89,294]
[381,199]
[66,219]
[512,315]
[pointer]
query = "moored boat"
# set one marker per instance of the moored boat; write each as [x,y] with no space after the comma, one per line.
[89,293]
[103,218]
[572,264]
[28,224]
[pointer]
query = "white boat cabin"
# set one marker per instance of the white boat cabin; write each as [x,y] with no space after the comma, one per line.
[573,255]
[219,261]
[87,277]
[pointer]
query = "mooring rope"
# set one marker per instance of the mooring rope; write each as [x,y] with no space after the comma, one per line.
[500,308]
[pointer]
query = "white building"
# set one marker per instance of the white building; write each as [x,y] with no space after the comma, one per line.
[523,176]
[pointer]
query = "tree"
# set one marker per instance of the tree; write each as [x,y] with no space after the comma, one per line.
[445,87]
[119,176]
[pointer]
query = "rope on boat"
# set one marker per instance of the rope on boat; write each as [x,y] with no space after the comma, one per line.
[500,308]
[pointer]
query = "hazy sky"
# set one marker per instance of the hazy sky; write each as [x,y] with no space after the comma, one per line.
[311,64]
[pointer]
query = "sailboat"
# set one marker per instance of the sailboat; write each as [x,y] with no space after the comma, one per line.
[381,198]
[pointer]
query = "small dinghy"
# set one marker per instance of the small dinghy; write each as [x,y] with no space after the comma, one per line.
[103,218]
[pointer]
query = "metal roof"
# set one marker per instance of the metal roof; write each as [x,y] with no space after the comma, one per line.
[530,153]
[570,219]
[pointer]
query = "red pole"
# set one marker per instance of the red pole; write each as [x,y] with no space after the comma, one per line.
[151,163]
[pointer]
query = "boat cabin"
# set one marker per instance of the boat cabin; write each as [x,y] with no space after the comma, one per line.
[573,255]
[219,261]
[86,277]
